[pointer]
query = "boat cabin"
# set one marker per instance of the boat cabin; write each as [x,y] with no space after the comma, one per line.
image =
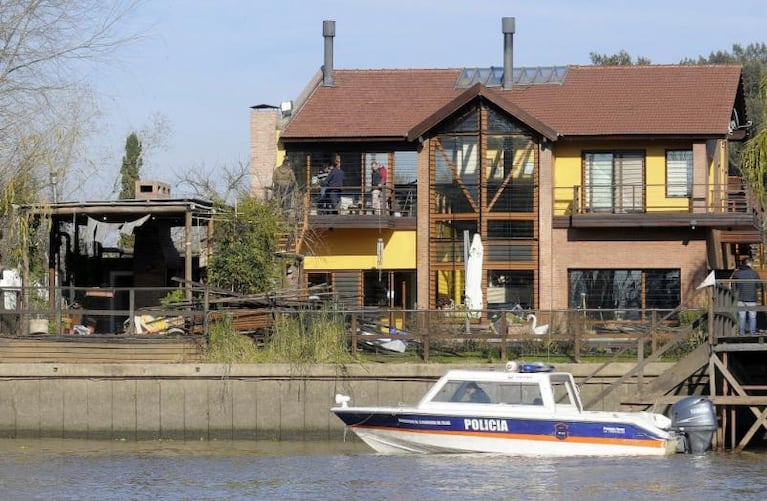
[553,391]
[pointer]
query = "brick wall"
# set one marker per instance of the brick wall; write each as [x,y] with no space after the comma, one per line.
[689,256]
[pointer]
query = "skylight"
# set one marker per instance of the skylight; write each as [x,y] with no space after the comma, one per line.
[493,76]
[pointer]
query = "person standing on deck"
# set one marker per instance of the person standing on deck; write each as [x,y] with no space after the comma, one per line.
[333,183]
[378,184]
[745,285]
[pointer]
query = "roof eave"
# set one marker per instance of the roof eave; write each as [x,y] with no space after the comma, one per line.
[344,139]
[645,135]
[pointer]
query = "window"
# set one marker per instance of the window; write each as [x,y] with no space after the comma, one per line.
[613,182]
[509,288]
[679,173]
[510,229]
[520,394]
[624,294]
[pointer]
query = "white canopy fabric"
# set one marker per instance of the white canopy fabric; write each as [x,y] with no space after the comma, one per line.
[474,301]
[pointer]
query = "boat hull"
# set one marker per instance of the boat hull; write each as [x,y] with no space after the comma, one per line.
[394,433]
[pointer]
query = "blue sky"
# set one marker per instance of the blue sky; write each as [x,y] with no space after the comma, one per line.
[201,64]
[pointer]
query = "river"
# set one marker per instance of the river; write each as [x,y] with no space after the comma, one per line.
[53,469]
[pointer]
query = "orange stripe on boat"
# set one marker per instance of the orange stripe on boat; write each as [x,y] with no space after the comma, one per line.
[544,438]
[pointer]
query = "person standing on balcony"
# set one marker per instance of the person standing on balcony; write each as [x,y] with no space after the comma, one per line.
[378,186]
[284,180]
[333,183]
[745,285]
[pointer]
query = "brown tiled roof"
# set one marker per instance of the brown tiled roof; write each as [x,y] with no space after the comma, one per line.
[592,101]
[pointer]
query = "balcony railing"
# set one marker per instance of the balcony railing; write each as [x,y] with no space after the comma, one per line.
[648,199]
[399,200]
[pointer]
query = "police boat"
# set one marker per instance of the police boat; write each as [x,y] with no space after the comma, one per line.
[528,409]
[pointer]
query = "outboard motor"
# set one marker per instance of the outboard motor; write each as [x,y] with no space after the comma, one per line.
[694,419]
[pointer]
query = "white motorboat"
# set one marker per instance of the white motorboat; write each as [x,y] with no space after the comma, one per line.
[537,412]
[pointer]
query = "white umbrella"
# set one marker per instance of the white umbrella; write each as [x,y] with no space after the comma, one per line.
[473,286]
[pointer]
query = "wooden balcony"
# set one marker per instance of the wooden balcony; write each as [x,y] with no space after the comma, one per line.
[354,209]
[647,206]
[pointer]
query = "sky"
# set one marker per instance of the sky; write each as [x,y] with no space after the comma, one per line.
[201,64]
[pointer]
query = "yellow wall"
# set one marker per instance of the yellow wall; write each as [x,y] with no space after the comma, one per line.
[356,249]
[568,170]
[567,173]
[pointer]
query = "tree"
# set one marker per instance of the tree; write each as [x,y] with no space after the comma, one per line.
[46,110]
[753,158]
[244,259]
[131,167]
[224,186]
[621,58]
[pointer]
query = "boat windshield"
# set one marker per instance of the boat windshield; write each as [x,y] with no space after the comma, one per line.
[485,392]
[565,394]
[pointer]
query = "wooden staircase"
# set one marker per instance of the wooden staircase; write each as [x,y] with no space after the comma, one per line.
[660,390]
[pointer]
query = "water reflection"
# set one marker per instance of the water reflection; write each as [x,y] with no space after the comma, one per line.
[75,469]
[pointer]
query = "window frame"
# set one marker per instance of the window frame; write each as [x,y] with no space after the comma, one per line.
[617,189]
[688,174]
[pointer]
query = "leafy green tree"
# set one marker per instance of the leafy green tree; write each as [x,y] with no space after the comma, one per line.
[621,58]
[246,241]
[753,158]
[131,168]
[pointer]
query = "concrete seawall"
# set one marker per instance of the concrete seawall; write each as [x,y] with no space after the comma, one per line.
[219,401]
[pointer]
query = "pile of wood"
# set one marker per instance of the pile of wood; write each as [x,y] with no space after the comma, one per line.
[255,313]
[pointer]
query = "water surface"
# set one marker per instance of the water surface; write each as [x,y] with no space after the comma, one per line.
[237,470]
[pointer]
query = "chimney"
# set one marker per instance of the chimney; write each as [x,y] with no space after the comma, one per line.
[507,26]
[328,32]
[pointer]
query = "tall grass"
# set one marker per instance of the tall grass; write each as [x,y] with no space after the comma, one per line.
[308,337]
[225,345]
[296,338]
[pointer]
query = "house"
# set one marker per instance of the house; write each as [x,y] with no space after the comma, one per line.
[593,187]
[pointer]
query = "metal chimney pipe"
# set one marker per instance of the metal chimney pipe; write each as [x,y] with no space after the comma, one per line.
[507,26]
[328,32]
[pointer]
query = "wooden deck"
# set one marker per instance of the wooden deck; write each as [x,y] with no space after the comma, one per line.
[101,349]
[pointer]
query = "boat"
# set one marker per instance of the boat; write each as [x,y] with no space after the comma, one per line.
[533,411]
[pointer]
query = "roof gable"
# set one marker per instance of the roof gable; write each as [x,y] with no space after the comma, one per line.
[476,91]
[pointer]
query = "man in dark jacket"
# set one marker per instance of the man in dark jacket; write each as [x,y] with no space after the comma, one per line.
[333,183]
[745,281]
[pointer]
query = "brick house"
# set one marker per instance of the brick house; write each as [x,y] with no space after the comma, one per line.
[590,186]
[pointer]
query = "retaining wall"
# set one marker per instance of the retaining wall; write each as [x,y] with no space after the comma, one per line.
[219,401]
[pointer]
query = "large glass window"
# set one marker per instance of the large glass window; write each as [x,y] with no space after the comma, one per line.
[613,182]
[679,173]
[483,176]
[457,174]
[509,288]
[610,294]
[510,169]
[510,229]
